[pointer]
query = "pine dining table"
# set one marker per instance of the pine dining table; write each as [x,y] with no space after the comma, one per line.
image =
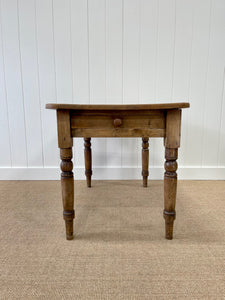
[131,120]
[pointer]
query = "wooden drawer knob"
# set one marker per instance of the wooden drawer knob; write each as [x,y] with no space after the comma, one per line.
[117,122]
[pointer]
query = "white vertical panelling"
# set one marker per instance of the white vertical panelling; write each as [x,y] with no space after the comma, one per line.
[79,35]
[131,64]
[198,79]
[80,61]
[97,55]
[114,80]
[221,152]
[111,51]
[165,50]
[5,157]
[148,53]
[63,59]
[114,48]
[46,72]
[182,51]
[182,62]
[148,50]
[214,86]
[165,60]
[28,48]
[14,90]
[97,67]
[131,51]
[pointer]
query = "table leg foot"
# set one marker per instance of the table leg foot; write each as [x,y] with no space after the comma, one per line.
[145,160]
[69,229]
[88,179]
[88,160]
[169,220]
[145,181]
[68,217]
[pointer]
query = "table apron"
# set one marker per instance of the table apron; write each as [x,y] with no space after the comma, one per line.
[117,132]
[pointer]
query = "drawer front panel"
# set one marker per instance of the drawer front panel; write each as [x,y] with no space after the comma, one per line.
[118,124]
[106,120]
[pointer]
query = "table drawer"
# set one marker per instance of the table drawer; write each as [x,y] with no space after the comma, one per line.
[96,124]
[155,119]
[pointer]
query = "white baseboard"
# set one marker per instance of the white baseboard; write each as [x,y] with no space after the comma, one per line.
[112,173]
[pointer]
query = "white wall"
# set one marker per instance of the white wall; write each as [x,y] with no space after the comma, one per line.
[111,51]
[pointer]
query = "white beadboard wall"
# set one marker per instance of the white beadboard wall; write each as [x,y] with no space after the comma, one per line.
[111,51]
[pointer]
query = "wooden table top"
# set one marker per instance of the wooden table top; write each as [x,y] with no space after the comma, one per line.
[118,106]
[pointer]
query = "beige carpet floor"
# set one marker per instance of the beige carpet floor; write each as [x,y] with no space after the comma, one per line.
[119,250]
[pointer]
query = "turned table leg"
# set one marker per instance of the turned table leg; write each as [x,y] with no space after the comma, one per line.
[170,190]
[172,143]
[67,185]
[88,160]
[145,160]
[65,143]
